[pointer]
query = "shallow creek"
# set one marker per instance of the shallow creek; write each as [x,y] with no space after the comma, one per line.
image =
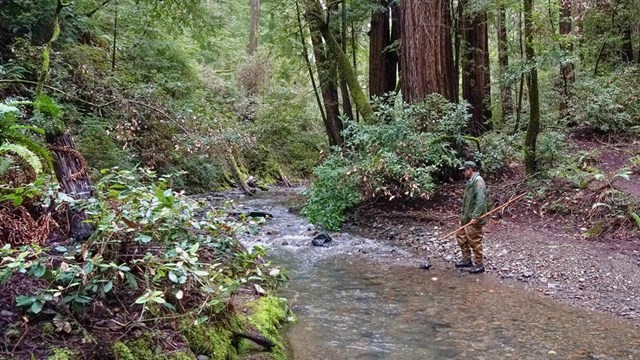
[364,299]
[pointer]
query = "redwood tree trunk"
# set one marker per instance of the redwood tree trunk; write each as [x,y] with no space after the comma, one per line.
[382,61]
[476,83]
[71,171]
[426,51]
[503,64]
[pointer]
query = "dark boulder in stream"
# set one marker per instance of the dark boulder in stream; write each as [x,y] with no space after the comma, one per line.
[321,239]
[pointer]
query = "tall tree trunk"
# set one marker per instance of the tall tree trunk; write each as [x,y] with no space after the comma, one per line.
[315,15]
[394,56]
[476,83]
[305,55]
[503,64]
[382,61]
[327,77]
[534,101]
[71,171]
[457,42]
[567,76]
[427,54]
[254,23]
[344,90]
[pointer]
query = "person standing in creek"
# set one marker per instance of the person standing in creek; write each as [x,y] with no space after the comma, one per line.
[474,205]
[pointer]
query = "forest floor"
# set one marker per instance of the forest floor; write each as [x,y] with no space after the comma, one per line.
[546,242]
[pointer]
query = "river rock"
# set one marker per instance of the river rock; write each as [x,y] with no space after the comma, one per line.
[425,265]
[321,239]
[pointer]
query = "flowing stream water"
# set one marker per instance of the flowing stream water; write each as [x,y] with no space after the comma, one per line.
[365,299]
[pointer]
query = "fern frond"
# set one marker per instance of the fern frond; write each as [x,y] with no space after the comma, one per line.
[5,164]
[24,153]
[26,141]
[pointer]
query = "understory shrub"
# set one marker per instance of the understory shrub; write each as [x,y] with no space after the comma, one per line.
[399,158]
[608,104]
[153,250]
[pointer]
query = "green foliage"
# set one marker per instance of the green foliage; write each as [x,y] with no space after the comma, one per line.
[100,149]
[396,159]
[496,151]
[25,154]
[184,253]
[609,104]
[551,149]
[334,191]
[41,192]
[636,218]
[18,140]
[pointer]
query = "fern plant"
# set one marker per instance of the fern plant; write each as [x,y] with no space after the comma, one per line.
[17,140]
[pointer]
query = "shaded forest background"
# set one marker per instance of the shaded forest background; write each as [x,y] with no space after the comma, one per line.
[384,99]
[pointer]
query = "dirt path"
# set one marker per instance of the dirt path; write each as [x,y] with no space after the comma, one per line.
[546,252]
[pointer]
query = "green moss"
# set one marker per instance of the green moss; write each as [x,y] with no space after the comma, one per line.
[266,314]
[62,354]
[182,355]
[214,341]
[143,348]
[122,352]
[48,328]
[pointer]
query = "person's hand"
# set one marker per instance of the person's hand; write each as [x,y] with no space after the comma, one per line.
[473,221]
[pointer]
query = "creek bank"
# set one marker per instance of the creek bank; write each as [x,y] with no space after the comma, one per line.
[250,330]
[548,254]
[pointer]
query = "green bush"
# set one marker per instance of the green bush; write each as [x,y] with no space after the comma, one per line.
[608,104]
[199,174]
[100,148]
[333,192]
[399,158]
[496,151]
[550,149]
[151,247]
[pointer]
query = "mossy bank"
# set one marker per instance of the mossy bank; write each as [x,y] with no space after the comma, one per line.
[249,330]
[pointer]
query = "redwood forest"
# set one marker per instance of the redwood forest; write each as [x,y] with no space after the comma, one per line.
[283,179]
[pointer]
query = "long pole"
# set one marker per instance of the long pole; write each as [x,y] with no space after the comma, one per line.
[485,215]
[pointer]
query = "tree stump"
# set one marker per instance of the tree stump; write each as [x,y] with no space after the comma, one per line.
[71,171]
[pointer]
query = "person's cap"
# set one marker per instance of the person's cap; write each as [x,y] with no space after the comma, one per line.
[468,165]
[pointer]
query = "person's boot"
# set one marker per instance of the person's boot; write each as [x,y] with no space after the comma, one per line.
[478,269]
[464,263]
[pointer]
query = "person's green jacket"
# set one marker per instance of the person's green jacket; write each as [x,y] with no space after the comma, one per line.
[474,203]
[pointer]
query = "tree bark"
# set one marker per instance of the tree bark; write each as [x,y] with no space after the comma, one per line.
[327,78]
[254,23]
[567,76]
[305,55]
[71,171]
[315,15]
[344,90]
[506,100]
[382,61]
[426,51]
[476,83]
[534,102]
